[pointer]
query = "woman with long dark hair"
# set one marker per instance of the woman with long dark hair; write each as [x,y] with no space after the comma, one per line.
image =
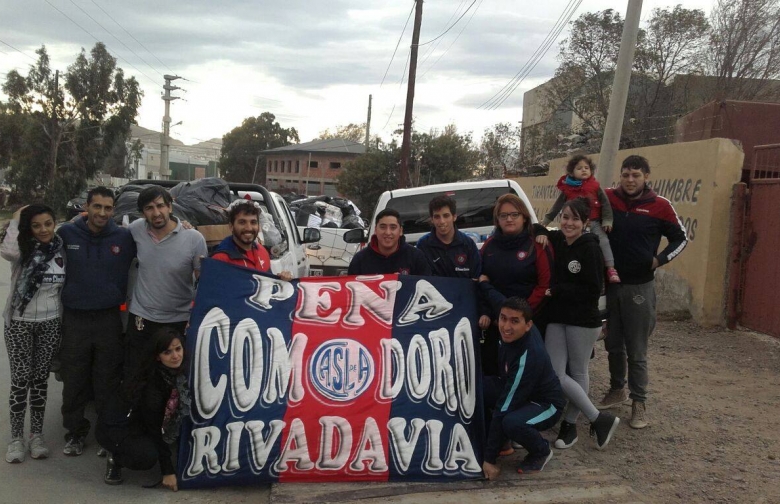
[574,322]
[140,424]
[513,264]
[32,321]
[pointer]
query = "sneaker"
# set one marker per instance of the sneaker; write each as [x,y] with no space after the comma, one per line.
[612,276]
[533,463]
[613,398]
[38,448]
[603,428]
[101,452]
[74,446]
[567,435]
[638,420]
[113,472]
[16,451]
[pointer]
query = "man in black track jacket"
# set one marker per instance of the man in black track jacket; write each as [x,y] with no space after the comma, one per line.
[641,218]
[388,251]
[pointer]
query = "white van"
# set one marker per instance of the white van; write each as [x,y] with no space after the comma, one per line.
[474,201]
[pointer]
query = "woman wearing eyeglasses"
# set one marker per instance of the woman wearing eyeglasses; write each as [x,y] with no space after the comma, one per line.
[513,264]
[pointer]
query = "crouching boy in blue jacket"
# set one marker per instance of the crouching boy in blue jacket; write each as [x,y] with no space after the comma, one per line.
[525,397]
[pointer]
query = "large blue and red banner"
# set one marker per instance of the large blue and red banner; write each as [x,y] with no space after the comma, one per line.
[368,378]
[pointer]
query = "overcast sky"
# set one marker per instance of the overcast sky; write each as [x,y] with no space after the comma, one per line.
[312,63]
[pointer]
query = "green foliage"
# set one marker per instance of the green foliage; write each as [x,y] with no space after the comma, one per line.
[499,150]
[436,157]
[76,124]
[243,145]
[354,132]
[367,177]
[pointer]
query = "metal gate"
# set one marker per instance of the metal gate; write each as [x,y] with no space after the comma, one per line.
[760,285]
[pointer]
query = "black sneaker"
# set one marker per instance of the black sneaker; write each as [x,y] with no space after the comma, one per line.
[113,471]
[535,462]
[603,428]
[567,435]
[74,446]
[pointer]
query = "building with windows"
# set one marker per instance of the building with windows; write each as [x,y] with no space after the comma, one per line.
[309,168]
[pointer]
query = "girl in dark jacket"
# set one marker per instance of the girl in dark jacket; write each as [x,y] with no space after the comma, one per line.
[140,424]
[513,264]
[573,318]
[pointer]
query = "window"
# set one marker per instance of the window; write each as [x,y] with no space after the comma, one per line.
[269,165]
[335,165]
[276,165]
[297,166]
[314,164]
[475,208]
[289,166]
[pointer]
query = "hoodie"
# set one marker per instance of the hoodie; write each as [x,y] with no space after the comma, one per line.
[578,278]
[636,234]
[406,260]
[98,264]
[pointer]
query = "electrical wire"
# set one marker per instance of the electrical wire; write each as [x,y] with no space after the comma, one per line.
[451,26]
[131,35]
[453,42]
[115,37]
[400,83]
[431,49]
[397,44]
[17,50]
[506,91]
[98,40]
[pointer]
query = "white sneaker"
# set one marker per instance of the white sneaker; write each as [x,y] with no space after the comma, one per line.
[16,451]
[38,448]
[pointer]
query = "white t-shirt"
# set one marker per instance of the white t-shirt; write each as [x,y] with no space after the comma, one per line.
[45,304]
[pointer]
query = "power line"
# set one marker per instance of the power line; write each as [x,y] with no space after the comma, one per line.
[505,92]
[115,37]
[400,83]
[17,50]
[131,35]
[455,40]
[396,45]
[431,49]
[98,40]
[451,26]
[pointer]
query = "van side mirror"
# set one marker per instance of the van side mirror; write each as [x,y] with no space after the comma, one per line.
[311,235]
[356,236]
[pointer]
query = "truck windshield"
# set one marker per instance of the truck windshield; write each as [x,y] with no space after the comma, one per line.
[474,208]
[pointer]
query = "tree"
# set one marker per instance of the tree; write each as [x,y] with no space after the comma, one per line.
[364,179]
[241,158]
[354,132]
[438,157]
[499,150]
[744,49]
[80,118]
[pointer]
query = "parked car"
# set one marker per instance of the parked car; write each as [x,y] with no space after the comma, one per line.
[475,201]
[76,205]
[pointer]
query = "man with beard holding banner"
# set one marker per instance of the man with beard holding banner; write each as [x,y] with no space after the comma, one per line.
[526,397]
[241,247]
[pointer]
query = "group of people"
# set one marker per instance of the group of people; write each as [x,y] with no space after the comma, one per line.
[67,290]
[539,292]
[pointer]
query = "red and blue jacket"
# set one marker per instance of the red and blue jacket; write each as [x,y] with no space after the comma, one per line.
[516,266]
[256,258]
[636,234]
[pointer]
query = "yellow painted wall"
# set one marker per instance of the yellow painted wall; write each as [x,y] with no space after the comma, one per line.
[697,177]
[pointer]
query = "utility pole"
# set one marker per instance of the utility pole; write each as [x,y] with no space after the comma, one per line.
[406,146]
[617,100]
[165,172]
[368,122]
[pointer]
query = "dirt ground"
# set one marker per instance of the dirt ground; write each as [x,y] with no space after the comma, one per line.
[714,406]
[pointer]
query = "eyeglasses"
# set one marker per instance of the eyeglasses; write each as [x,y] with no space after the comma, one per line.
[505,216]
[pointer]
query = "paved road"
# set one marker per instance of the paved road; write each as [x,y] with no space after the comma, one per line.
[65,480]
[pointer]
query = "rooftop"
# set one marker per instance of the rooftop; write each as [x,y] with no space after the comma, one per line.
[331,145]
